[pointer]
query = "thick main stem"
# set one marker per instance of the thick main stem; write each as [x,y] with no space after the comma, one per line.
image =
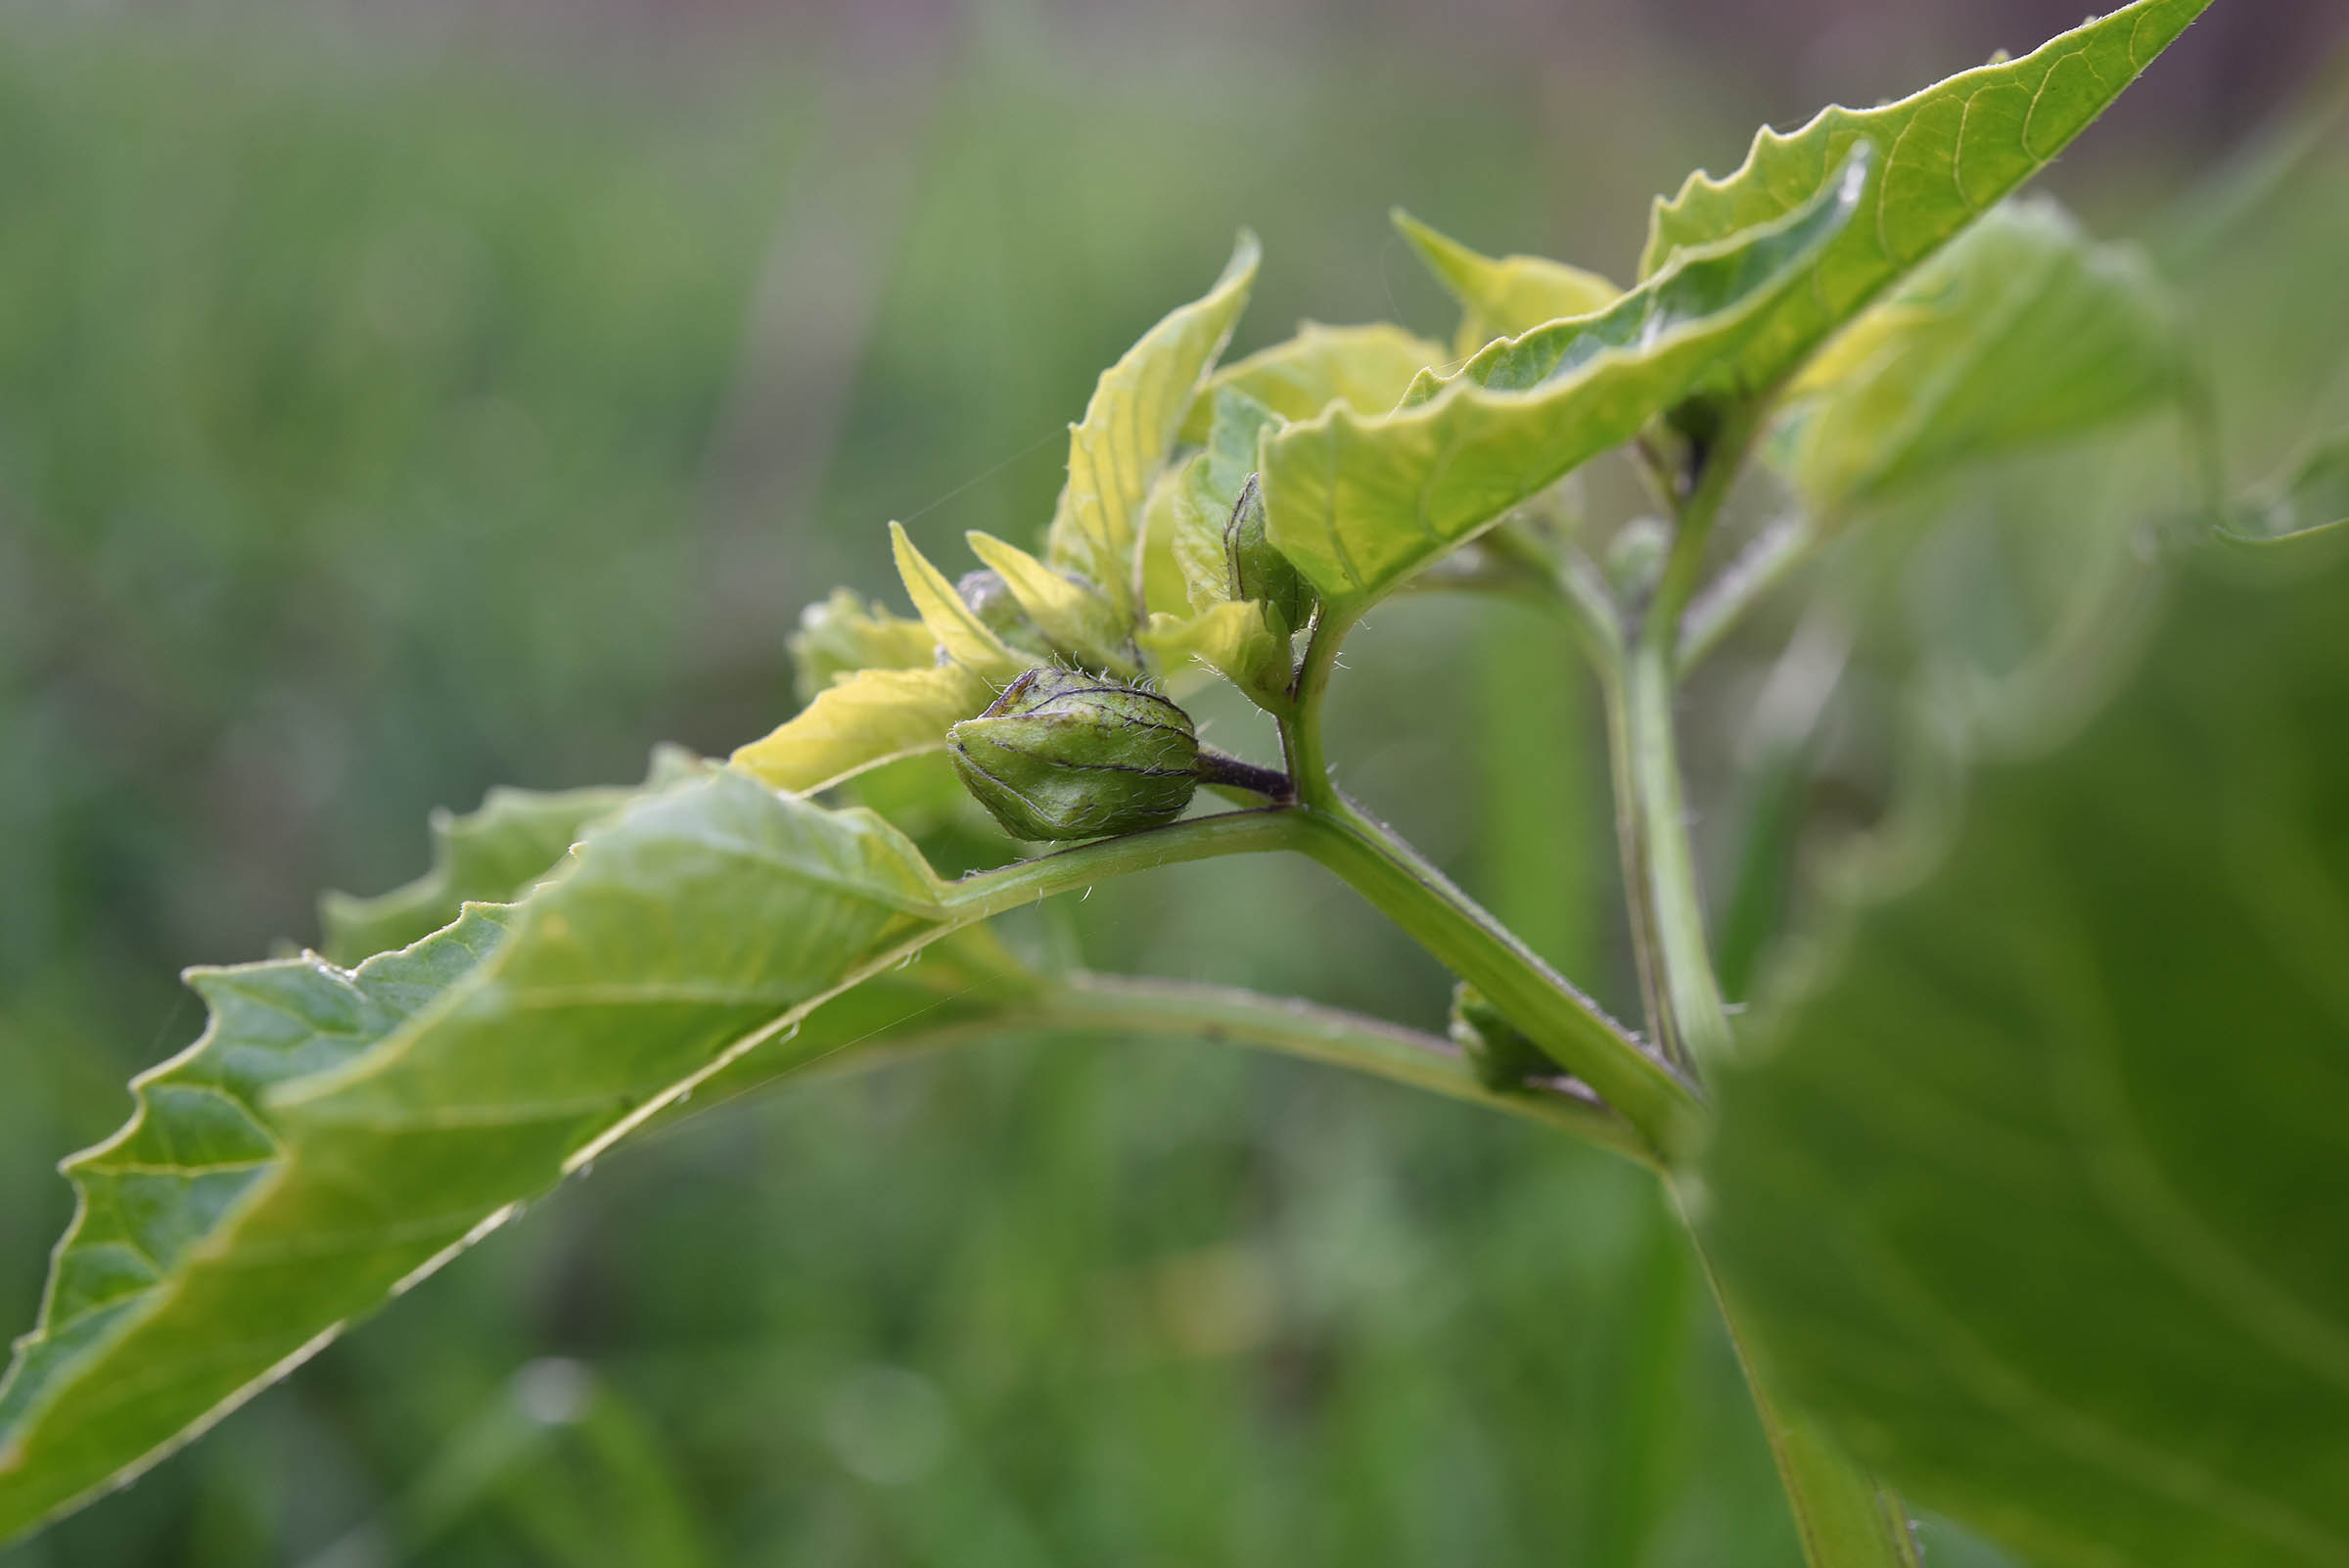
[1568,1026]
[1845,1518]
[1660,864]
[1652,1101]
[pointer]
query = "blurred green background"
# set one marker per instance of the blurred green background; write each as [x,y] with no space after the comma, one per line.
[395,401]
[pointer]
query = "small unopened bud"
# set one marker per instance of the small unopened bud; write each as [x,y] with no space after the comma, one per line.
[991,599]
[1257,569]
[1498,1052]
[1636,558]
[1066,755]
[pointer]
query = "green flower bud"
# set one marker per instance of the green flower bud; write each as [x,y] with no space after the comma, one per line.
[1066,755]
[1636,558]
[1498,1050]
[1259,570]
[991,599]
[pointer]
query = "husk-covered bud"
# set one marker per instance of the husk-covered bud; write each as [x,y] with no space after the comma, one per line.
[1498,1052]
[1066,755]
[1257,569]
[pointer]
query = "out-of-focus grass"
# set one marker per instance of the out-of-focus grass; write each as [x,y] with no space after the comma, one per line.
[377,427]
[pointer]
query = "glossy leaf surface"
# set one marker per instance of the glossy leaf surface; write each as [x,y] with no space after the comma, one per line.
[1359,504]
[2034,1190]
[1945,155]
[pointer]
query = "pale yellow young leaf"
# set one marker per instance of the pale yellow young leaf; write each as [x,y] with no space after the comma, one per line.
[1200,516]
[961,634]
[1367,368]
[1070,614]
[1118,449]
[842,634]
[1237,638]
[1503,296]
[1165,590]
[872,717]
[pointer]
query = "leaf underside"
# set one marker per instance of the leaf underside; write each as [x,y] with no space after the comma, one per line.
[1360,504]
[2035,1190]
[333,1136]
[2021,331]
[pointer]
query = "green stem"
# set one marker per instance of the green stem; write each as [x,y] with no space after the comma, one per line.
[1088,1006]
[1223,1013]
[1660,883]
[1633,855]
[1654,1102]
[1568,1026]
[1300,730]
[1846,1521]
[991,892]
[1759,569]
[1693,1027]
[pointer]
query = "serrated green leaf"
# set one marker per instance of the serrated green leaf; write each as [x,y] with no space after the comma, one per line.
[843,634]
[1208,487]
[1366,367]
[2034,1191]
[2023,330]
[1076,617]
[872,717]
[1945,155]
[1503,297]
[489,855]
[961,635]
[2312,497]
[335,1136]
[1238,638]
[1128,428]
[1359,504]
